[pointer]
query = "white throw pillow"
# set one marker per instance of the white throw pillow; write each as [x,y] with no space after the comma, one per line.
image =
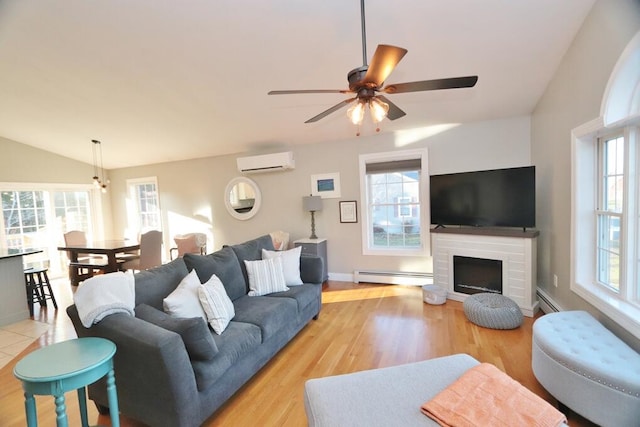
[290,264]
[184,301]
[216,304]
[265,277]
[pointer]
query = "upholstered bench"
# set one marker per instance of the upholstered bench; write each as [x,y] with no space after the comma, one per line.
[587,368]
[382,397]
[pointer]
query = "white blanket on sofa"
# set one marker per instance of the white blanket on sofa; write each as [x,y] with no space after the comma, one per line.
[103,295]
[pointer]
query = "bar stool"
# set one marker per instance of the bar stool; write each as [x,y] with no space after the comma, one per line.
[38,287]
[66,366]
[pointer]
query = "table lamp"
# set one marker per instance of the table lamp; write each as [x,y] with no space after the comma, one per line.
[312,204]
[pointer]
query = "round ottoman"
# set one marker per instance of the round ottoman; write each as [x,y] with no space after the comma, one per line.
[493,311]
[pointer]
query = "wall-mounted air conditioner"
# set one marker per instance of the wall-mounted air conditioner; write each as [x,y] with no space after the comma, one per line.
[266,163]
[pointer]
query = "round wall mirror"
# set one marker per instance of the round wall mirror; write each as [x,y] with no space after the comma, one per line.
[242,198]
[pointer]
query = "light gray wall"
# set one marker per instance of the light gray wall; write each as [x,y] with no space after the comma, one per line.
[191,192]
[573,97]
[25,164]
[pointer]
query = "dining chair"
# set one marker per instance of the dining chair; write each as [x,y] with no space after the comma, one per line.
[191,243]
[280,240]
[78,237]
[150,252]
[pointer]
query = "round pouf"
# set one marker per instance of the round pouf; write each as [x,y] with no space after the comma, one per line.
[493,311]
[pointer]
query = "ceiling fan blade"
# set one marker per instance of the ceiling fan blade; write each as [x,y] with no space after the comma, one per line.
[450,83]
[394,111]
[330,110]
[293,92]
[384,60]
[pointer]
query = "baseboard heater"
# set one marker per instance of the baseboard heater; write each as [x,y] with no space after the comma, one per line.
[546,303]
[393,277]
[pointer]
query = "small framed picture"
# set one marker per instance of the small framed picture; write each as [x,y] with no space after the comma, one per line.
[326,185]
[349,211]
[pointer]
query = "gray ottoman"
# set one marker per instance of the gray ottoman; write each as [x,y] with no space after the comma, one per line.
[587,368]
[382,397]
[493,311]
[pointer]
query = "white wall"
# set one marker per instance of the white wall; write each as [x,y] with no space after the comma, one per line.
[573,97]
[191,192]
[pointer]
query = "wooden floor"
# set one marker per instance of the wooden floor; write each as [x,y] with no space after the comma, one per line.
[360,327]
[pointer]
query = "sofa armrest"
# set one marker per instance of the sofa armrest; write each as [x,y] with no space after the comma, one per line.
[153,371]
[311,269]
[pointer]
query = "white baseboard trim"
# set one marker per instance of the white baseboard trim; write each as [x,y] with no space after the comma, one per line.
[341,277]
[547,304]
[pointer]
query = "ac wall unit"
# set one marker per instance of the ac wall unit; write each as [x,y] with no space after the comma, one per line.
[266,163]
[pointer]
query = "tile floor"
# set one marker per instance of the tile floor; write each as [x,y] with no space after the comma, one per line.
[16,337]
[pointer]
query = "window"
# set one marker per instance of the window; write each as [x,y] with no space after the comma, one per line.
[37,216]
[609,212]
[392,185]
[144,211]
[606,221]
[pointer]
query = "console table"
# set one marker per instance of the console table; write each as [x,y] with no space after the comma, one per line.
[317,247]
[514,247]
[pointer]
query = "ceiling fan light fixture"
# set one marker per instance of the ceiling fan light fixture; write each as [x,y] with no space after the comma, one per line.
[379,109]
[356,113]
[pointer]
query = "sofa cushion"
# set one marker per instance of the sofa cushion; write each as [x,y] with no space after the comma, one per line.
[270,314]
[194,331]
[216,304]
[153,285]
[265,277]
[225,265]
[235,342]
[290,264]
[251,251]
[184,301]
[303,295]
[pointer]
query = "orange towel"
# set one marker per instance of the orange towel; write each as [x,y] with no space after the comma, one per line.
[486,396]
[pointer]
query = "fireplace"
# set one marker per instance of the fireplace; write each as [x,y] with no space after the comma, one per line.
[473,275]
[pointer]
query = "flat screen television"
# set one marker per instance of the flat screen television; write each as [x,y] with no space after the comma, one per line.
[494,198]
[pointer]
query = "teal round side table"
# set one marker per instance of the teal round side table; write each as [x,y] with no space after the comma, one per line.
[65,366]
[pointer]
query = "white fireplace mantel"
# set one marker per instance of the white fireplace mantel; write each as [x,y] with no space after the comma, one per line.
[515,248]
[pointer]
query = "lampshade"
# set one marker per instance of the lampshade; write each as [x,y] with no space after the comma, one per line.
[312,203]
[356,113]
[379,109]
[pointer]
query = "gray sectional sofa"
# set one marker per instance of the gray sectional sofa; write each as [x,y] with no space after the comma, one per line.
[178,372]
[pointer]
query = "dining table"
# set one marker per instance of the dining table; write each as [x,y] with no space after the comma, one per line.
[110,248]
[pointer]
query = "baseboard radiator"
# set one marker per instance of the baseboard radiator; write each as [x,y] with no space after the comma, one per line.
[393,277]
[547,304]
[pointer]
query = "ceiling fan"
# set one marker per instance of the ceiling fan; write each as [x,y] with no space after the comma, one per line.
[367,82]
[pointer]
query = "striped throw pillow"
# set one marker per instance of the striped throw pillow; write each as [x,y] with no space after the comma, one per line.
[265,277]
[216,304]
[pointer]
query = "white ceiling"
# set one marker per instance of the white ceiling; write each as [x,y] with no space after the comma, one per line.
[165,80]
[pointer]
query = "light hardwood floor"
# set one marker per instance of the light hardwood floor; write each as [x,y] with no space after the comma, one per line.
[360,327]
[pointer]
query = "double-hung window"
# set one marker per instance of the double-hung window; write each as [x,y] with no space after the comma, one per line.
[393,186]
[610,210]
[606,221]
[144,206]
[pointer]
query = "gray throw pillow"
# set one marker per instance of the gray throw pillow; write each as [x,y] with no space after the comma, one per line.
[224,264]
[194,331]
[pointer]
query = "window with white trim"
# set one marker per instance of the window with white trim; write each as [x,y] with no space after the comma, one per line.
[392,189]
[38,215]
[609,211]
[144,211]
[606,221]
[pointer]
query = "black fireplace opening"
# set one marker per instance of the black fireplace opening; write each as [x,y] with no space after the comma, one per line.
[475,275]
